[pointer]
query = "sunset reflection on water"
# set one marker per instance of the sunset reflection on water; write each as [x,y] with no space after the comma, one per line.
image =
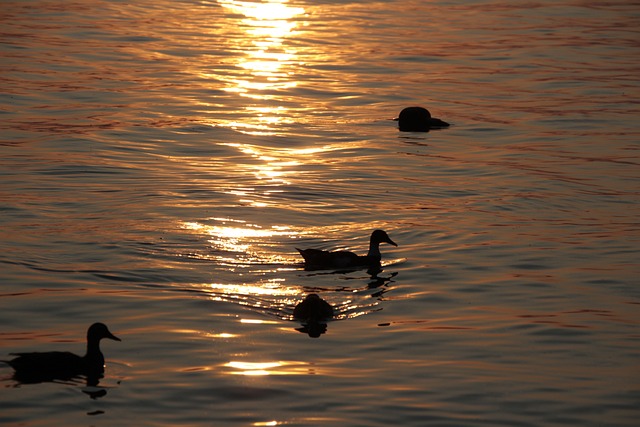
[265,63]
[268,368]
[161,161]
[268,277]
[228,241]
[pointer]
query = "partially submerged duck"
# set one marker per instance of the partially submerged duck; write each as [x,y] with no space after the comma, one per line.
[316,259]
[63,365]
[313,312]
[418,119]
[313,309]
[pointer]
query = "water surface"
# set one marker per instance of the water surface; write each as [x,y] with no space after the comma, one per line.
[161,161]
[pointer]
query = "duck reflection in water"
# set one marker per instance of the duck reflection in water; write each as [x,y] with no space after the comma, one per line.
[55,366]
[418,119]
[313,312]
[317,259]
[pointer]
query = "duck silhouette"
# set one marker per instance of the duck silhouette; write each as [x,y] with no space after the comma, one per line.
[313,312]
[317,259]
[418,119]
[63,365]
[313,309]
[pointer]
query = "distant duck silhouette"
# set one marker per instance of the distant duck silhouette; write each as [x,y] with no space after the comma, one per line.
[418,119]
[313,312]
[313,309]
[62,365]
[316,259]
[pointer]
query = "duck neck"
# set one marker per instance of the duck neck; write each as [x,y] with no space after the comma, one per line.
[94,355]
[374,251]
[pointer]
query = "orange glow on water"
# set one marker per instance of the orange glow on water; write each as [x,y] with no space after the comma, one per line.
[274,167]
[257,321]
[268,368]
[254,252]
[266,64]
[135,189]
[275,12]
[238,236]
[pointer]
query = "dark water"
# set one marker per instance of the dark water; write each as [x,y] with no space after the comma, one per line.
[161,161]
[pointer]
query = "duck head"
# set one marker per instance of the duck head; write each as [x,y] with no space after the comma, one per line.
[97,331]
[381,236]
[418,119]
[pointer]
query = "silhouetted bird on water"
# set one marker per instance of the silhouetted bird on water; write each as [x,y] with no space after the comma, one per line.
[313,309]
[418,119]
[313,312]
[316,259]
[63,365]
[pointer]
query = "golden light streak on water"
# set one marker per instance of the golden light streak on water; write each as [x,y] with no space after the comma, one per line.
[236,238]
[224,335]
[276,166]
[266,64]
[258,321]
[268,368]
[270,288]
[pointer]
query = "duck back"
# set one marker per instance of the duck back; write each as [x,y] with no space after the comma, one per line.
[318,259]
[47,366]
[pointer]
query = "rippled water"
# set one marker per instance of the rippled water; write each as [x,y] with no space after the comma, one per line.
[162,160]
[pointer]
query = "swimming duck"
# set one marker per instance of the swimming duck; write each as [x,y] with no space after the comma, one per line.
[313,312]
[63,365]
[418,119]
[316,259]
[313,309]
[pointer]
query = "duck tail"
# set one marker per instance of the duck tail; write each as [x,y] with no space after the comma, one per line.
[302,253]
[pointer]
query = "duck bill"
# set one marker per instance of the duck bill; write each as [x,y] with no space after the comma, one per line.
[113,337]
[391,242]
